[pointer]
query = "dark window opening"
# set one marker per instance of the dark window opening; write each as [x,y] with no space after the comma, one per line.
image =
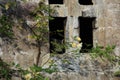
[55,1]
[86,32]
[56,27]
[85,2]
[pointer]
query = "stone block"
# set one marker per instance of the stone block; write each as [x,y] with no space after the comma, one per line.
[59,76]
[112,36]
[25,59]
[104,77]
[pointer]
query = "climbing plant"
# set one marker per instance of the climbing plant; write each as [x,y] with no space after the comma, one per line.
[6,27]
[11,17]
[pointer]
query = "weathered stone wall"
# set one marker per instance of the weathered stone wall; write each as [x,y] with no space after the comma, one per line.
[22,50]
[107,21]
[107,31]
[107,16]
[70,67]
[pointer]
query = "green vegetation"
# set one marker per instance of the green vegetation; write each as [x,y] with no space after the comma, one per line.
[5,71]
[32,73]
[6,27]
[104,53]
[10,18]
[35,73]
[39,31]
[117,74]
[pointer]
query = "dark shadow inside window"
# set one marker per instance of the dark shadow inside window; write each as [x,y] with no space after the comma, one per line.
[85,2]
[55,1]
[86,32]
[56,28]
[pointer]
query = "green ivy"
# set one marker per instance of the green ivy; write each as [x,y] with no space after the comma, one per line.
[6,27]
[5,71]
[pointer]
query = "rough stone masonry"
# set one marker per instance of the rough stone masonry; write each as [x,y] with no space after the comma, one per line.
[104,16]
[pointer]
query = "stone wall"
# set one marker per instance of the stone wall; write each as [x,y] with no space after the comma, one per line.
[22,50]
[106,31]
[107,15]
[83,67]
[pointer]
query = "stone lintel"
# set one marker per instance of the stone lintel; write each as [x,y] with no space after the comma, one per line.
[60,10]
[76,10]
